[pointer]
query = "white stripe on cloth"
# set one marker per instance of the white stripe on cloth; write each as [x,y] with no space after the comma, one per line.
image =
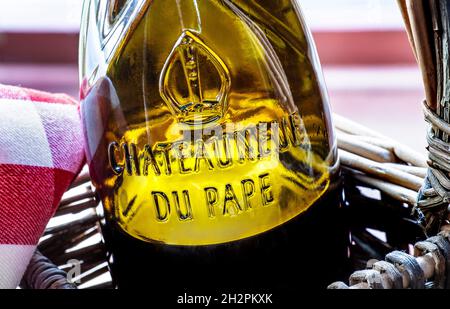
[64,134]
[14,261]
[23,138]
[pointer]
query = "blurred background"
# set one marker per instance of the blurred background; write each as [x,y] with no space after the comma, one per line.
[369,67]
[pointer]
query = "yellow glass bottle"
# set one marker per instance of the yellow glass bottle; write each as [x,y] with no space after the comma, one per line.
[209,139]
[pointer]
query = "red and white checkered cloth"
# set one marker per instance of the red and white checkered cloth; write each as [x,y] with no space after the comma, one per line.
[41,151]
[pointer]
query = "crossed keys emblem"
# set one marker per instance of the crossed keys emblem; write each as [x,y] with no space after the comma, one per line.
[195,82]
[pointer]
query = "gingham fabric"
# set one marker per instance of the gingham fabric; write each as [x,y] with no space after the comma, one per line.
[41,151]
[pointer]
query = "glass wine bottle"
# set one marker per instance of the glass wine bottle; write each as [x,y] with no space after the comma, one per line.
[209,140]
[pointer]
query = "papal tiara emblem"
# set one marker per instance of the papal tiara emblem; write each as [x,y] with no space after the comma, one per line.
[195,82]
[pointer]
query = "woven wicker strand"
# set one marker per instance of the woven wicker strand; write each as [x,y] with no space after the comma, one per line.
[429,268]
[428,27]
[434,196]
[43,274]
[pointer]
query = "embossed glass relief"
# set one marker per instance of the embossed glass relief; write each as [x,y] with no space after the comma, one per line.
[192,99]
